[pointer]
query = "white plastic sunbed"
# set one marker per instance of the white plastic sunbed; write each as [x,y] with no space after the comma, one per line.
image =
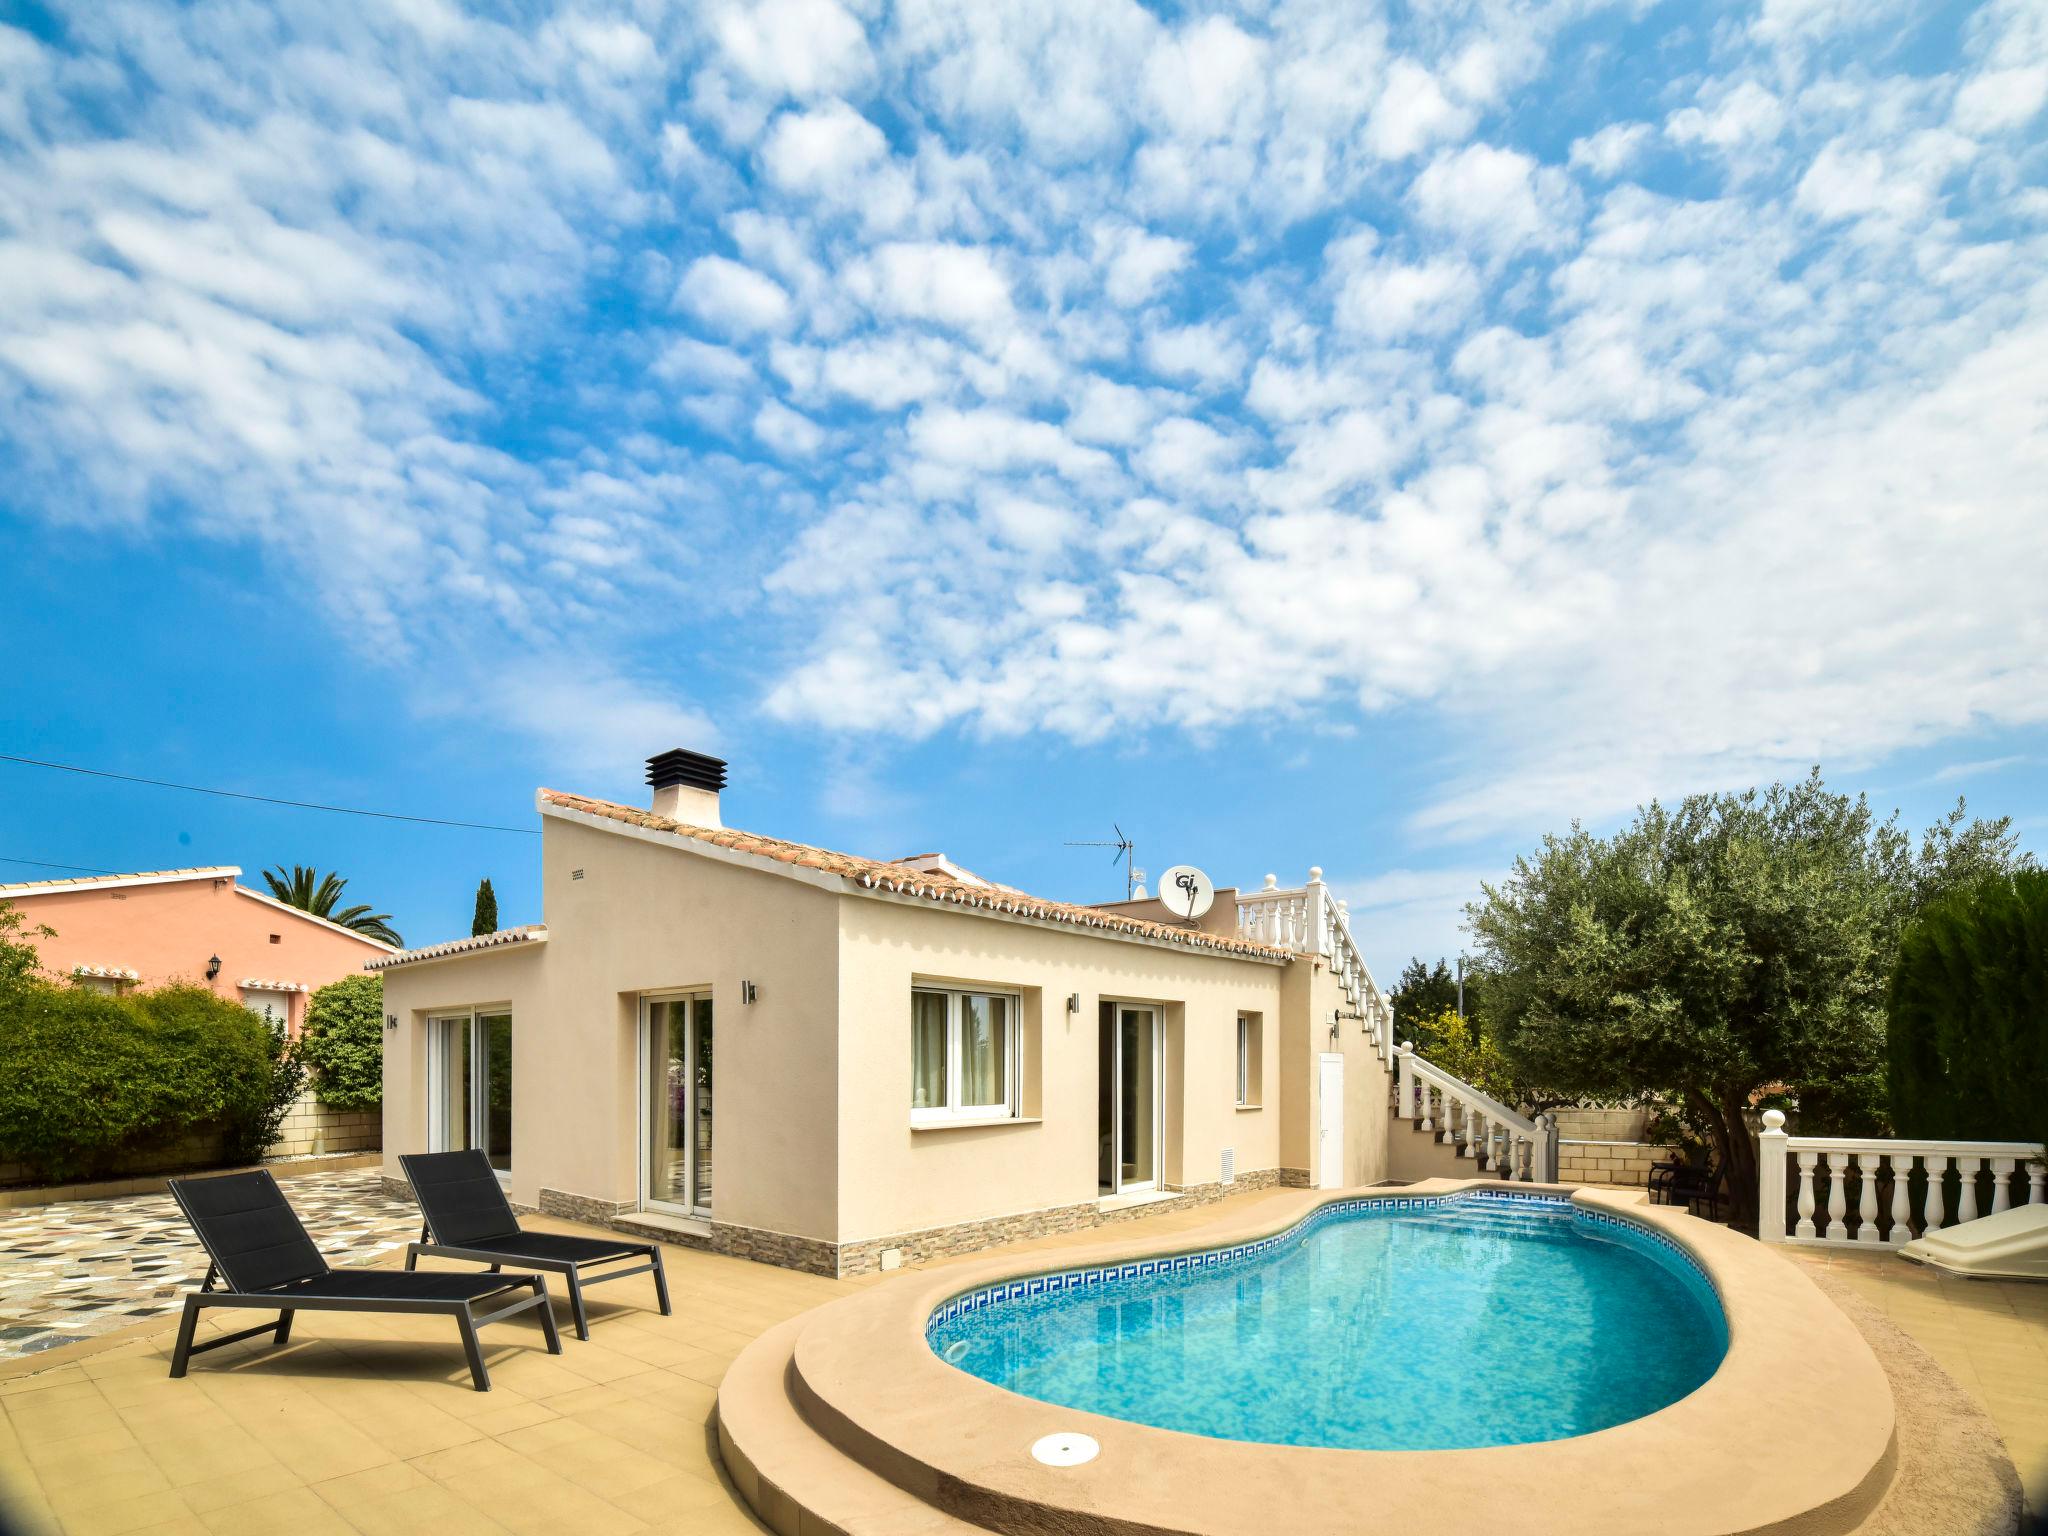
[2013,1245]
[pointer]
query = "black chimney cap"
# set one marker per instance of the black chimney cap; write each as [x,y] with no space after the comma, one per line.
[694,769]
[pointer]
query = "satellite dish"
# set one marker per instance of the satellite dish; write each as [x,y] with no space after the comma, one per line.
[1186,891]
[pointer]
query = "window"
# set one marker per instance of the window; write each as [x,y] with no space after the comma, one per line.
[963,1054]
[1250,1056]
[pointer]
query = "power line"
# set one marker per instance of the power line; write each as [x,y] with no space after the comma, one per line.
[231,794]
[82,869]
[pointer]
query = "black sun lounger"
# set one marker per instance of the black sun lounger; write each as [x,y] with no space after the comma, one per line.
[260,1249]
[468,1217]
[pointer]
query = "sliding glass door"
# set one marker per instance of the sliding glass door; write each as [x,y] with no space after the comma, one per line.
[676,1099]
[471,1072]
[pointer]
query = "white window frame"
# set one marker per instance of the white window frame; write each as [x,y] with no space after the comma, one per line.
[1244,1060]
[953,1111]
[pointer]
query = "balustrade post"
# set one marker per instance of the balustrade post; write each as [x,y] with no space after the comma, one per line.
[1866,1201]
[1902,1210]
[1838,1199]
[1936,1165]
[1316,914]
[1805,1226]
[2001,1180]
[1770,1178]
[1423,1088]
[1472,1138]
[1546,1167]
[1448,1135]
[1966,1192]
[2037,1175]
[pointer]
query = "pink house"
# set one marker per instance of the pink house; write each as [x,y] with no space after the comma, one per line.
[120,931]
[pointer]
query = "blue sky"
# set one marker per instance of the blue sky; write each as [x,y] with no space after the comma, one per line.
[1303,434]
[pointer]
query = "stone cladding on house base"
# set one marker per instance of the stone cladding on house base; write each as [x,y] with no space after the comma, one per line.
[840,1260]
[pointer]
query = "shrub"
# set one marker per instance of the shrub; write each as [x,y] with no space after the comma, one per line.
[1966,1015]
[343,1042]
[92,1078]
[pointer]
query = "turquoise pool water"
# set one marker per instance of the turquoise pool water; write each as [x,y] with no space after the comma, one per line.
[1467,1321]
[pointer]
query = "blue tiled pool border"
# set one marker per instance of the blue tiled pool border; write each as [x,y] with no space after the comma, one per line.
[1605,1223]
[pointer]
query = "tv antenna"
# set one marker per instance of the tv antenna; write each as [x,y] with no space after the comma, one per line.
[1126,855]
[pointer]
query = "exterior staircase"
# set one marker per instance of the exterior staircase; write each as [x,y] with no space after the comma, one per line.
[1453,1130]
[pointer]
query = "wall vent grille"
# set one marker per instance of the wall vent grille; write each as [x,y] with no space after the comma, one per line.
[1230,1165]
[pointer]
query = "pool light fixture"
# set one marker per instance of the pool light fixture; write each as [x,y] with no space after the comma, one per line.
[1067,1449]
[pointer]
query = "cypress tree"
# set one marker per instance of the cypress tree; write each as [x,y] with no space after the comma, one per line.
[486,919]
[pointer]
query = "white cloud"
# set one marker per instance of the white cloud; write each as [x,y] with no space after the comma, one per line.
[1495,198]
[1413,113]
[1612,150]
[1386,300]
[829,147]
[2001,99]
[957,285]
[1203,80]
[733,297]
[1135,262]
[794,47]
[1737,116]
[1206,353]
[791,434]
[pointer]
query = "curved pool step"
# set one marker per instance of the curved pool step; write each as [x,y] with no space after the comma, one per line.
[794,1479]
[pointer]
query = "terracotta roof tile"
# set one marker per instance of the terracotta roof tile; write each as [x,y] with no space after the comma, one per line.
[528,933]
[878,874]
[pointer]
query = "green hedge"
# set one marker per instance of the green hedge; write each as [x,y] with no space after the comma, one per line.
[1967,1015]
[91,1080]
[343,1042]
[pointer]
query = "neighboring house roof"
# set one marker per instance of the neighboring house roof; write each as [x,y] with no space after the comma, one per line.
[177,877]
[900,879]
[531,933]
[112,882]
[303,915]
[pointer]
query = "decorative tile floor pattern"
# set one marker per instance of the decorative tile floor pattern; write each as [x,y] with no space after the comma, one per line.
[86,1267]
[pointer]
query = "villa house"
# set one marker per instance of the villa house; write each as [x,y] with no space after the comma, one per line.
[117,932]
[839,1063]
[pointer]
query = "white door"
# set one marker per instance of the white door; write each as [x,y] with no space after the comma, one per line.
[1330,1124]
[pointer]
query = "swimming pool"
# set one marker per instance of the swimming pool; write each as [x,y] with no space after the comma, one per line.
[1433,1323]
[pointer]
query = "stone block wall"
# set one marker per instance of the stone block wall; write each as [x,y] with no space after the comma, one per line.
[1619,1164]
[311,1127]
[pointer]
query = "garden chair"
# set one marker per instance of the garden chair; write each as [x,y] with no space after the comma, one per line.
[256,1243]
[468,1217]
[1682,1183]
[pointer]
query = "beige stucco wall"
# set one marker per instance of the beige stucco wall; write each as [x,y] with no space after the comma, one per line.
[904,1179]
[648,918]
[1312,997]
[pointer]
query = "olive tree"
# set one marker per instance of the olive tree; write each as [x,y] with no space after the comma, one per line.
[1735,945]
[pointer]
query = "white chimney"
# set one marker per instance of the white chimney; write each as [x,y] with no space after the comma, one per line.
[686,786]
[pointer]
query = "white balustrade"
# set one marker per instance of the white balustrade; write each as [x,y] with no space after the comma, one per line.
[1870,1162]
[1484,1129]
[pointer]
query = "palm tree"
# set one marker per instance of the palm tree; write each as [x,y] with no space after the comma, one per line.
[309,891]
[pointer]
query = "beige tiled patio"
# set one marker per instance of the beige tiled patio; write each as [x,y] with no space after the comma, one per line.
[1991,1335]
[366,1424]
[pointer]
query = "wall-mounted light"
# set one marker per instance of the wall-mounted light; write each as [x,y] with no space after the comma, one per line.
[213,967]
[1073,1002]
[746,992]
